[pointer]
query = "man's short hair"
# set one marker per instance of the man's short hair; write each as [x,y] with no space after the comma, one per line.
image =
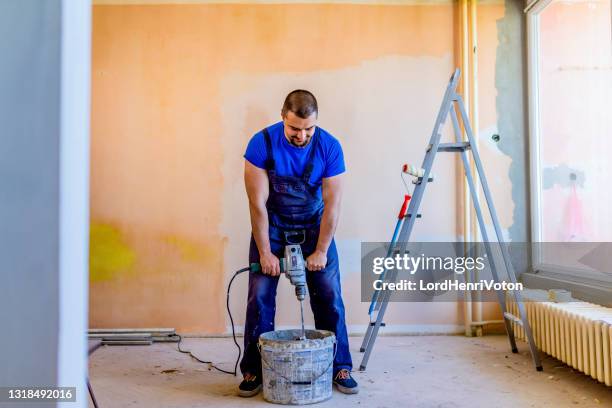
[302,103]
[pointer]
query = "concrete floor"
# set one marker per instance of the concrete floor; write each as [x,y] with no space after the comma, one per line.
[404,371]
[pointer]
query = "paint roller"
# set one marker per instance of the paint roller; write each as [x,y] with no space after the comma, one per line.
[415,171]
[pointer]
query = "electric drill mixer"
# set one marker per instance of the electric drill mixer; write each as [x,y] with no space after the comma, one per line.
[293,266]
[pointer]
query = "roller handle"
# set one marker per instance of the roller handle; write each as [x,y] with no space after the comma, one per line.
[402,212]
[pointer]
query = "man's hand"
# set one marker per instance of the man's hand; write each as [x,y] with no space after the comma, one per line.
[316,261]
[270,264]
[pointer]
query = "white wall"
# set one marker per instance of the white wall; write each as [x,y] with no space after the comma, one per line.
[44,110]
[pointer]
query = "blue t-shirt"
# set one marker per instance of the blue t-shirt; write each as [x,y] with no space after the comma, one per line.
[291,160]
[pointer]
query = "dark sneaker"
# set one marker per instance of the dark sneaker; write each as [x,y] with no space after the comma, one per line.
[345,383]
[250,386]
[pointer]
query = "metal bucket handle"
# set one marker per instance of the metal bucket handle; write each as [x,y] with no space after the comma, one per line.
[315,378]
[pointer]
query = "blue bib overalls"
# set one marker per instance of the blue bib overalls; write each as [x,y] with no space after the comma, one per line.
[294,211]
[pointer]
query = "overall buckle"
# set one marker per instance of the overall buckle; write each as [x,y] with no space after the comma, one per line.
[290,234]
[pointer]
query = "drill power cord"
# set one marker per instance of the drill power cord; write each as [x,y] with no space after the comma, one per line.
[229,312]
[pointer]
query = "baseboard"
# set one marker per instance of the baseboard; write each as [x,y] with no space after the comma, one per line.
[360,329]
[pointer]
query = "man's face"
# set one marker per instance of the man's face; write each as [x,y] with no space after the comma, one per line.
[299,131]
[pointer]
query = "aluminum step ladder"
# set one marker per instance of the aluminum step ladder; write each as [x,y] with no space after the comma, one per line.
[450,104]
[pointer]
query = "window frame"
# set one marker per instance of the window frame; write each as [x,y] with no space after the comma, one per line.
[588,284]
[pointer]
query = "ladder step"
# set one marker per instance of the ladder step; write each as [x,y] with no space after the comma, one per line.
[418,180]
[429,146]
[382,324]
[453,147]
[513,318]
[410,215]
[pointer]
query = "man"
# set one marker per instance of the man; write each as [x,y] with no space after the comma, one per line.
[294,184]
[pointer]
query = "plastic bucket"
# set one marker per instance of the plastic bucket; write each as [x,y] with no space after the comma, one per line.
[294,371]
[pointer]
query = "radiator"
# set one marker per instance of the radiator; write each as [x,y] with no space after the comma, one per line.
[577,333]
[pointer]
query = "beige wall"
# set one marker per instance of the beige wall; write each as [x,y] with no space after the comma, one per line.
[177,92]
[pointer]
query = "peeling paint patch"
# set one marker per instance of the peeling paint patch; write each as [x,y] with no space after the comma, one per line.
[563,176]
[109,255]
[509,74]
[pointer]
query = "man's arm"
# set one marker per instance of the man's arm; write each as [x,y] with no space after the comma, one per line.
[257,188]
[332,196]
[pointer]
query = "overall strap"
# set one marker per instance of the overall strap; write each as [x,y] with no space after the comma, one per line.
[313,150]
[270,157]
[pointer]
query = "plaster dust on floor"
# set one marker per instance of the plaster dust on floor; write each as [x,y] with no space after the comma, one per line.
[407,371]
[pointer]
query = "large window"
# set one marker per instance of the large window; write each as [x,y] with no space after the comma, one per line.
[570,78]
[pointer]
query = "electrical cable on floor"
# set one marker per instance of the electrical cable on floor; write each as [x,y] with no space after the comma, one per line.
[235,372]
